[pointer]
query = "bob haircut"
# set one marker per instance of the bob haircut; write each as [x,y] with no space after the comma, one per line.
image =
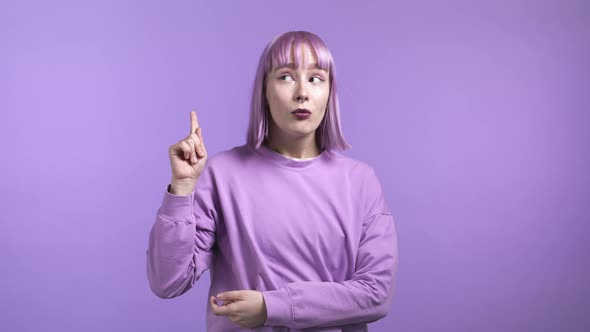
[277,53]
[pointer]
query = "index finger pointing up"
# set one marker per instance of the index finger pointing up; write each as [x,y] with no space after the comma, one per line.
[194,122]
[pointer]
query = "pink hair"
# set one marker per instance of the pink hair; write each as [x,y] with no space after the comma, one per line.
[329,133]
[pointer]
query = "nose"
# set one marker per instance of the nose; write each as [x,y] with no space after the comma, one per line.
[301,94]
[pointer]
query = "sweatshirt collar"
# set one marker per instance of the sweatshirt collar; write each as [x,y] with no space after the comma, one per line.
[286,162]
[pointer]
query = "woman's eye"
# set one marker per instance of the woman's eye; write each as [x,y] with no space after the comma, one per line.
[287,75]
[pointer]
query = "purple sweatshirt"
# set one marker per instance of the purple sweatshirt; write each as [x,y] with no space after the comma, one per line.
[315,236]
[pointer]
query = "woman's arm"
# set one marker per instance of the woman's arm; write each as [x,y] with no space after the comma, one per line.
[366,297]
[181,239]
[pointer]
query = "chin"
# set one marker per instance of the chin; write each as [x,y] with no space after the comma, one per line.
[301,133]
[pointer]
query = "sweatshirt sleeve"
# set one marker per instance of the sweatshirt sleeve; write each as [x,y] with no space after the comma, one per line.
[366,297]
[180,245]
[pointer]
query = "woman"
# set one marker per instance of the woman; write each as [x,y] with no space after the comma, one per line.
[295,234]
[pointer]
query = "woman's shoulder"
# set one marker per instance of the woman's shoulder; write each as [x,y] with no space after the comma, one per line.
[229,157]
[351,163]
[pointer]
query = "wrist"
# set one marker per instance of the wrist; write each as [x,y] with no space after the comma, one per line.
[180,188]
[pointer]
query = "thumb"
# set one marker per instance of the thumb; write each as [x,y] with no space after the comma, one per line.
[230,296]
[200,135]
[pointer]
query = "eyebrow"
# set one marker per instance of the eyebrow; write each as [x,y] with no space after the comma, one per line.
[292,66]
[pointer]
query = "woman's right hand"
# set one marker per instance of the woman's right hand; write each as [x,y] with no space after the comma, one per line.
[188,158]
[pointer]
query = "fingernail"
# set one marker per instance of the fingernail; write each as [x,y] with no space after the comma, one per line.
[219,296]
[194,160]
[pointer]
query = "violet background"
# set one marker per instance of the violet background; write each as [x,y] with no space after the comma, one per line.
[474,114]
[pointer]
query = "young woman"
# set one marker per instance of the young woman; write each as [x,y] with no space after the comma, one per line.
[295,234]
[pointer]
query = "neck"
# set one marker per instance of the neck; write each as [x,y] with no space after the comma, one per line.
[296,147]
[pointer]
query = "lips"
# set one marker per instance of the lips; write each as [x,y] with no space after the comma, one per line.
[301,111]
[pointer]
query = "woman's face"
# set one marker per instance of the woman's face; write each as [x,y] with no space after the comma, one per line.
[288,89]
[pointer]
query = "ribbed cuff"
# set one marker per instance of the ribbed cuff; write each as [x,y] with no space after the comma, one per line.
[176,207]
[279,309]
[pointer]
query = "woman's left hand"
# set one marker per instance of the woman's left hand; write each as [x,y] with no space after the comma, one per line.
[246,308]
